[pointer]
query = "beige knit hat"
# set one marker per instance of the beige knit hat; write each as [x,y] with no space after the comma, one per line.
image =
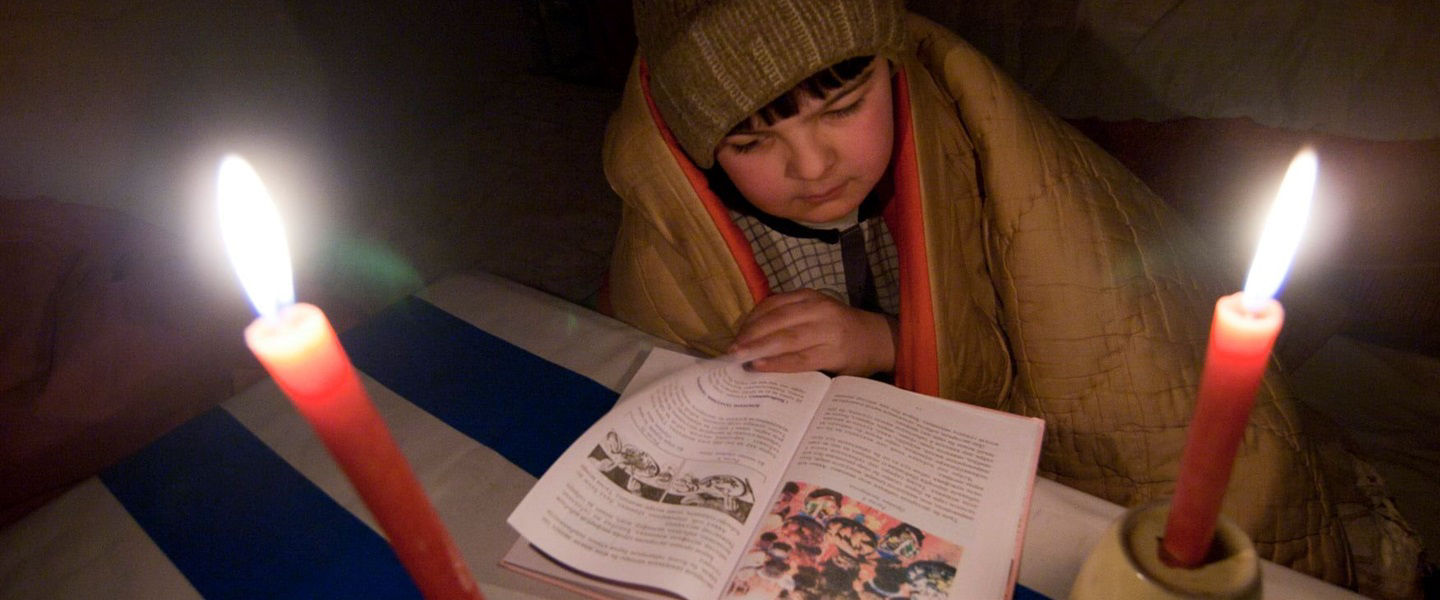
[714,62]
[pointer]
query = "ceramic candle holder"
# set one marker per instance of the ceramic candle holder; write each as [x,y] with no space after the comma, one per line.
[1126,563]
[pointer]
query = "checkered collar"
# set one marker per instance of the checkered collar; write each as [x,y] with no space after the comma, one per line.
[734,200]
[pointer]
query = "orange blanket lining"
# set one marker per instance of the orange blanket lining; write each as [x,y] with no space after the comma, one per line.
[729,231]
[916,366]
[915,361]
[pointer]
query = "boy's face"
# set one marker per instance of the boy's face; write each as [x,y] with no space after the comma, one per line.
[818,165]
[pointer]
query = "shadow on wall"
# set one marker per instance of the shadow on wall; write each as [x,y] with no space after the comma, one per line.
[402,141]
[1354,69]
[458,152]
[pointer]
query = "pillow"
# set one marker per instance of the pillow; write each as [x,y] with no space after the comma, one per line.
[107,341]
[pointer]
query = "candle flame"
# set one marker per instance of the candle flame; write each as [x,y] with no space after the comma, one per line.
[1282,231]
[254,236]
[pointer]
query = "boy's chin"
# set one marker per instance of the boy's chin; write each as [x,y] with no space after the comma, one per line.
[822,217]
[828,212]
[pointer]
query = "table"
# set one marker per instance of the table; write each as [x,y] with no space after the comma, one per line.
[483,383]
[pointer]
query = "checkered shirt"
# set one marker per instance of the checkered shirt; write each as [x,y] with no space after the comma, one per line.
[794,263]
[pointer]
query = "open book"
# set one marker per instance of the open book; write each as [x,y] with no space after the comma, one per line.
[710,481]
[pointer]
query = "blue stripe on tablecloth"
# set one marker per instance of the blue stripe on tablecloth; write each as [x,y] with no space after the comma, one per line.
[516,403]
[1025,593]
[239,522]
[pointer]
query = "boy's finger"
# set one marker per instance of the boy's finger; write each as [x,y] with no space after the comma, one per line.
[797,313]
[788,320]
[747,354]
[788,340]
[776,303]
[788,362]
[757,343]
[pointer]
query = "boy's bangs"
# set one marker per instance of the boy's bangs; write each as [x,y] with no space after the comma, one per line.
[815,86]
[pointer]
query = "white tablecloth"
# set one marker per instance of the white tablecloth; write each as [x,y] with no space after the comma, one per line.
[85,544]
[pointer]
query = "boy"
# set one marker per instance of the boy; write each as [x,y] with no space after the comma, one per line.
[794,172]
[793,240]
[1031,272]
[798,173]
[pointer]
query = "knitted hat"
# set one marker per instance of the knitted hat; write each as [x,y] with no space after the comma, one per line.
[713,63]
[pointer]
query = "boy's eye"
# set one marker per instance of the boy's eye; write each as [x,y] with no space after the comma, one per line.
[847,110]
[743,146]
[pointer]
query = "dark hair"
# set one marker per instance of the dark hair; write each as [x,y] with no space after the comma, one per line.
[814,86]
[784,107]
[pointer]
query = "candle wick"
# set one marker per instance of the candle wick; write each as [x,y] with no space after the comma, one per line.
[1254,304]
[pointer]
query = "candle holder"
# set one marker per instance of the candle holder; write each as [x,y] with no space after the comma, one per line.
[1126,563]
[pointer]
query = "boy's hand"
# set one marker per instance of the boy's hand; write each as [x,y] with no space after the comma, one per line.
[806,330]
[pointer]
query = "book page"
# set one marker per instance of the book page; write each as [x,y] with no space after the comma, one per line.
[665,489]
[894,494]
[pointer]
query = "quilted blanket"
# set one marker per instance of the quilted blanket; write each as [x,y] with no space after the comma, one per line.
[1101,290]
[1106,296]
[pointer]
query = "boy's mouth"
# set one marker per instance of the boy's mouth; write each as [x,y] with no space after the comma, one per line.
[825,196]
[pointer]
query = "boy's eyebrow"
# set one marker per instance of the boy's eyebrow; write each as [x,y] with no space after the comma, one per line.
[852,85]
[745,127]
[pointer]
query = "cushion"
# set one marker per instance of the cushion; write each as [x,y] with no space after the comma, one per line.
[107,340]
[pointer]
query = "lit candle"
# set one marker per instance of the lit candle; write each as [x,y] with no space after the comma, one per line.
[299,349]
[1242,334]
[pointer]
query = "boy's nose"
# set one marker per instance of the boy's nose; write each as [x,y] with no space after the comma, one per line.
[810,158]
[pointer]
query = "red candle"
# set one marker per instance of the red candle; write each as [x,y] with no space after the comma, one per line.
[298,347]
[1235,360]
[1242,334]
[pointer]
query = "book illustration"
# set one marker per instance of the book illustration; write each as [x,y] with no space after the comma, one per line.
[637,472]
[681,491]
[816,543]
